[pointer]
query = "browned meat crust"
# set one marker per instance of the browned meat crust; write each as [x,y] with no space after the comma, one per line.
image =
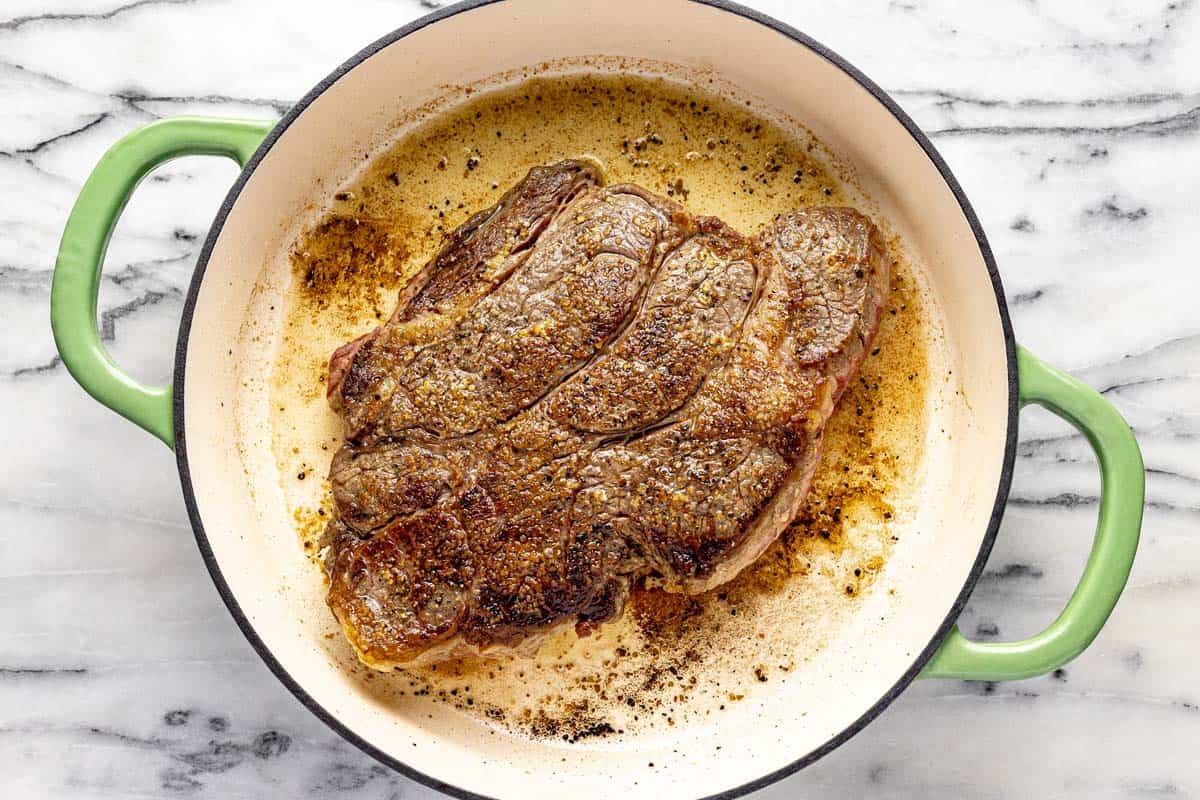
[586,385]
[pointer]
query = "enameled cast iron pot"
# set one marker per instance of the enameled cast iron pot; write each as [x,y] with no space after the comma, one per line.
[252,552]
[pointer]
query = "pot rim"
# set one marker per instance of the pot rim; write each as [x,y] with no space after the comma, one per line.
[281,672]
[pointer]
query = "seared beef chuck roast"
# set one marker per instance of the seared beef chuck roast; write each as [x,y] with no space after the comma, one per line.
[587,385]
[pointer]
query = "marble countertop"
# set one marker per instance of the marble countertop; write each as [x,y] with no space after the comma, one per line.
[1075,129]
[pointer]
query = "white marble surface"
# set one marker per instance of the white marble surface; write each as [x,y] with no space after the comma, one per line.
[1074,127]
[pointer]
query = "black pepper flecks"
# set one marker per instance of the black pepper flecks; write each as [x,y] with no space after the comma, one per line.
[661,673]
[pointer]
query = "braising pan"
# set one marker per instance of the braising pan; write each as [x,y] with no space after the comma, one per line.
[251,548]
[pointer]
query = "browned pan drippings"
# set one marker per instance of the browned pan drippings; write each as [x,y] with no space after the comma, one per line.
[672,657]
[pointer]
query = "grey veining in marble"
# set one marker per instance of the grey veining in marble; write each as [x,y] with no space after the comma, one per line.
[1073,126]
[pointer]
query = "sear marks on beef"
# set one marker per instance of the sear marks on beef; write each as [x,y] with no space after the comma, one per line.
[585,386]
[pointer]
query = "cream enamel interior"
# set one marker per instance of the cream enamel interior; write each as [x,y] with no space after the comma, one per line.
[254,542]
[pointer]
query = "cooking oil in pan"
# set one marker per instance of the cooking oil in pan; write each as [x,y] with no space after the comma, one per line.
[672,658]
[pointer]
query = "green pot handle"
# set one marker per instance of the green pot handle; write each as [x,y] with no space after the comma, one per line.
[1122,492]
[85,240]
